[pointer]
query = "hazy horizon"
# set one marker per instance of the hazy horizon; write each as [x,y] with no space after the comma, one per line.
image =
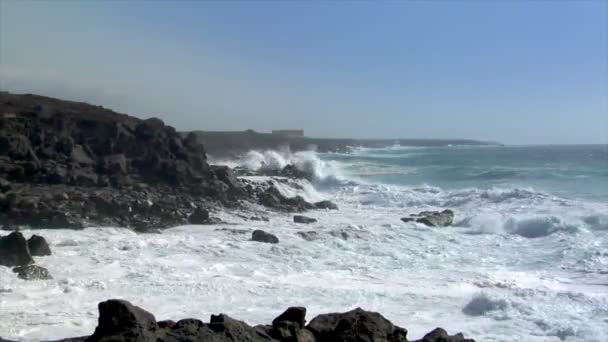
[517,73]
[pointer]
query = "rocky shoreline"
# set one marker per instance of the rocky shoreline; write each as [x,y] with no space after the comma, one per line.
[72,165]
[120,320]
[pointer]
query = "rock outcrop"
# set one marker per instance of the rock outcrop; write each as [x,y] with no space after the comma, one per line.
[121,321]
[69,165]
[38,246]
[432,218]
[14,250]
[32,272]
[262,236]
[356,325]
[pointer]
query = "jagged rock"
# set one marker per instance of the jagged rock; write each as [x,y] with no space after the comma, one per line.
[432,218]
[120,321]
[273,198]
[291,171]
[225,174]
[230,329]
[309,235]
[262,236]
[287,327]
[38,246]
[355,326]
[326,205]
[296,314]
[66,147]
[14,250]
[32,272]
[199,216]
[440,335]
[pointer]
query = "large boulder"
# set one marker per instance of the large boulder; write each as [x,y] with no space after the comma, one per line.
[38,246]
[432,218]
[120,321]
[32,272]
[14,250]
[356,326]
[261,236]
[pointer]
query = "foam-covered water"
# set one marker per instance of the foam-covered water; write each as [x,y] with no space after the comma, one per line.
[526,260]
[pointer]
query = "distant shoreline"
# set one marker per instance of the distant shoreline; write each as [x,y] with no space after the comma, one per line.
[232,143]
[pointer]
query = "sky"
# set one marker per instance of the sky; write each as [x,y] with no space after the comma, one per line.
[518,72]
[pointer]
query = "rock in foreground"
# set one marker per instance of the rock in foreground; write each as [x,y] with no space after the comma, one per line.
[432,218]
[32,272]
[121,321]
[38,246]
[14,250]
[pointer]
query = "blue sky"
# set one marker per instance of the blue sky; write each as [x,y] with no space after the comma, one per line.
[518,72]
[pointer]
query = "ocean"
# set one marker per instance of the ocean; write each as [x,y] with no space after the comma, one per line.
[526,258]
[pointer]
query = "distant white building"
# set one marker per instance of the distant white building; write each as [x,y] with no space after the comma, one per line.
[291,133]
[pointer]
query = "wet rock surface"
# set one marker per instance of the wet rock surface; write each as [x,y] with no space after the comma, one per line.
[14,250]
[432,218]
[119,320]
[32,272]
[262,236]
[38,246]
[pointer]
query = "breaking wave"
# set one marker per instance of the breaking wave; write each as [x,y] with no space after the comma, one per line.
[324,172]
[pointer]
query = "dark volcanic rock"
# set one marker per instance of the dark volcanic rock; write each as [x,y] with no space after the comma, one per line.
[273,198]
[303,219]
[14,250]
[67,165]
[289,326]
[262,236]
[230,329]
[440,335]
[32,272]
[291,171]
[119,320]
[356,326]
[38,246]
[432,218]
[199,216]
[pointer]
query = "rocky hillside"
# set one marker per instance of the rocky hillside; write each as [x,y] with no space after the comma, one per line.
[69,164]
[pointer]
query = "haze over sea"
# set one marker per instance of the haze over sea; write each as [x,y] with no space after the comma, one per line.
[526,260]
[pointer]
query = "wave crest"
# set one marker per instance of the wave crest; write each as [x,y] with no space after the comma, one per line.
[323,172]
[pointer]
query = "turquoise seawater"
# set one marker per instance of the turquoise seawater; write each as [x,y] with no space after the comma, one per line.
[579,171]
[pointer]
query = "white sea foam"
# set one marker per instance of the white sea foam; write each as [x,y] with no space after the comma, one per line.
[518,263]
